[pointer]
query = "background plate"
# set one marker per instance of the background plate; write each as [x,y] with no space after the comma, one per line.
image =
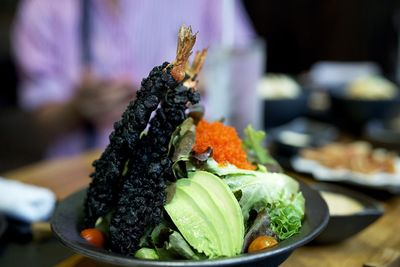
[381,181]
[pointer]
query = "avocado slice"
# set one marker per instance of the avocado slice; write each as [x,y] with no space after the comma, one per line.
[228,205]
[208,215]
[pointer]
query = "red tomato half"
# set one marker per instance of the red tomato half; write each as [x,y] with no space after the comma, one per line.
[93,236]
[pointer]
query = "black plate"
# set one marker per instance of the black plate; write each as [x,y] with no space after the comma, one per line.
[341,227]
[68,216]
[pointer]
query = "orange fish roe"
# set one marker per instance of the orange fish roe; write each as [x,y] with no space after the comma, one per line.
[225,143]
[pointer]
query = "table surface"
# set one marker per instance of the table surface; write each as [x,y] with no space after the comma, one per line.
[65,176]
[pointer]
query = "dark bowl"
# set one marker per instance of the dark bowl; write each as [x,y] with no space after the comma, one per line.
[68,216]
[353,114]
[280,111]
[288,139]
[383,135]
[341,227]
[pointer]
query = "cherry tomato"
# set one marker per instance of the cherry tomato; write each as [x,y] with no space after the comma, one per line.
[262,242]
[93,236]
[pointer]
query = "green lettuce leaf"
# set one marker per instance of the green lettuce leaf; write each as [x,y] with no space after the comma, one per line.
[256,152]
[286,217]
[276,192]
[168,244]
[229,169]
[146,254]
[178,245]
[180,147]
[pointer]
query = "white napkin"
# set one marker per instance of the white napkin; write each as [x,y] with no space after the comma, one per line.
[25,202]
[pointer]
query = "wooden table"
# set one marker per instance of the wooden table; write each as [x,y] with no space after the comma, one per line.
[65,176]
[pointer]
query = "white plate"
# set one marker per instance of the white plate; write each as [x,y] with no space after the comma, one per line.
[390,182]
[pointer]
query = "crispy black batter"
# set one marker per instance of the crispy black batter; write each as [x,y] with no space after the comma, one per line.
[102,194]
[143,193]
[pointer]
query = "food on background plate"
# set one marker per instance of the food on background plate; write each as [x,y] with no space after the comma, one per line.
[357,156]
[278,86]
[340,204]
[371,88]
[356,163]
[175,186]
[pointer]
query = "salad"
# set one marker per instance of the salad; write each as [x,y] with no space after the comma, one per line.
[175,186]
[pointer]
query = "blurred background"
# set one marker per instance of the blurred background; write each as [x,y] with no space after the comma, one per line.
[312,47]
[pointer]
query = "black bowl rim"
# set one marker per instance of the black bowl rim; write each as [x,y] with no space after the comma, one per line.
[302,96]
[114,258]
[341,96]
[371,206]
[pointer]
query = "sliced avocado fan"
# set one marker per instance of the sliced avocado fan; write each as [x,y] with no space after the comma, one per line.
[208,215]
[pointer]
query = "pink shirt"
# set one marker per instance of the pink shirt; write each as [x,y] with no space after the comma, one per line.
[143,35]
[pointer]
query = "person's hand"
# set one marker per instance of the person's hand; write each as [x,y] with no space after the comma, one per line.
[102,102]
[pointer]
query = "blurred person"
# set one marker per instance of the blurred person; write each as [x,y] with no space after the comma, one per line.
[80,62]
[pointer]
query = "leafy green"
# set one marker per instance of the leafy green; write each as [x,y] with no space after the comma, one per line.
[286,216]
[186,125]
[260,226]
[229,169]
[165,244]
[180,146]
[170,244]
[145,239]
[160,234]
[254,146]
[253,143]
[176,248]
[178,245]
[103,223]
[146,254]
[277,192]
